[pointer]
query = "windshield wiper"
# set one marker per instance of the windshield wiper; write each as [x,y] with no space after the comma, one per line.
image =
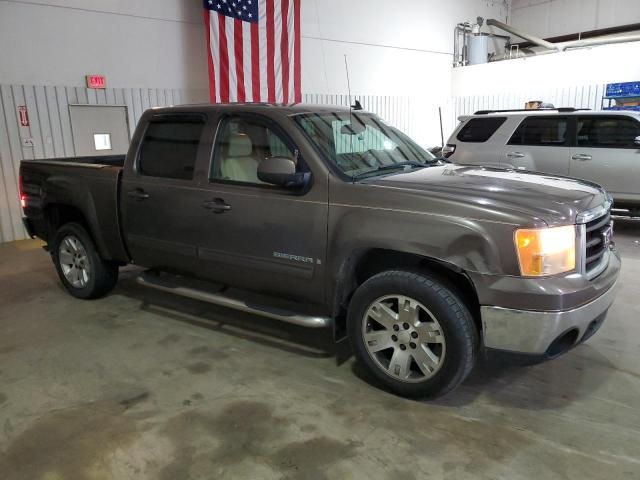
[391,166]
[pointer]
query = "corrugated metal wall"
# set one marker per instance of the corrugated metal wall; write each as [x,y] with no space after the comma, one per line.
[585,96]
[50,130]
[50,124]
[395,110]
[415,116]
[50,127]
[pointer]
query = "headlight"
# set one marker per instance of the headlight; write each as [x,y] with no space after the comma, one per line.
[546,251]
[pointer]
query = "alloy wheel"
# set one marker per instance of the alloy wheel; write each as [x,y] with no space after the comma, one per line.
[74,261]
[403,338]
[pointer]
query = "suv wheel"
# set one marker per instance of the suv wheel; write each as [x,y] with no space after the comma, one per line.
[81,269]
[413,334]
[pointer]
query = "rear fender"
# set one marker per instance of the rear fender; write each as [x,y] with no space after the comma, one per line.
[66,191]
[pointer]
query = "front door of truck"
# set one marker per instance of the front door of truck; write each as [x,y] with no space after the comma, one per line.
[257,236]
[158,194]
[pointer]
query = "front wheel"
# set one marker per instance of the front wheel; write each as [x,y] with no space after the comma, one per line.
[82,271]
[413,334]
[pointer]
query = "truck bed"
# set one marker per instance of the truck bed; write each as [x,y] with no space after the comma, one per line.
[99,160]
[89,185]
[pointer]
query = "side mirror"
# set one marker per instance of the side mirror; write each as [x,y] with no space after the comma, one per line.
[637,141]
[281,171]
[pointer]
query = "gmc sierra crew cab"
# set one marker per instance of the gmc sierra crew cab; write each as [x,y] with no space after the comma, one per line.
[329,217]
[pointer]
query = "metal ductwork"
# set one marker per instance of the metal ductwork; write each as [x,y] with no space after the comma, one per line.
[471,48]
[533,39]
[591,42]
[563,45]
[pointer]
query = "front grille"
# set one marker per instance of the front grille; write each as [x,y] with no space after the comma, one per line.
[597,237]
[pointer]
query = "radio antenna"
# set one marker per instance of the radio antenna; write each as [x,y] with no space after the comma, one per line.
[346,67]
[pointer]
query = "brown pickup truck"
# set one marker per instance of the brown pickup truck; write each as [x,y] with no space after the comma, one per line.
[329,217]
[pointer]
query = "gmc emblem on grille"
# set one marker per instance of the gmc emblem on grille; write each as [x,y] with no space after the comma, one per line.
[606,235]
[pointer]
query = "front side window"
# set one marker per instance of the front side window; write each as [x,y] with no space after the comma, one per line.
[479,130]
[361,144]
[541,131]
[169,148]
[242,144]
[607,132]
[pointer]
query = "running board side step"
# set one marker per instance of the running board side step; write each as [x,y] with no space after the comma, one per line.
[153,280]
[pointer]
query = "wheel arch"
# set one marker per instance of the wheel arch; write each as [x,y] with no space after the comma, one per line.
[58,214]
[365,263]
[89,202]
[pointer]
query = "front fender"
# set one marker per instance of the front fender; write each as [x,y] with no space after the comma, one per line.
[469,244]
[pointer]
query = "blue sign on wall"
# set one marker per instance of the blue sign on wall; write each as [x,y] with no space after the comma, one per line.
[623,90]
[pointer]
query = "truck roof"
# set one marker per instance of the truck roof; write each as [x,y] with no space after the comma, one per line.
[282,108]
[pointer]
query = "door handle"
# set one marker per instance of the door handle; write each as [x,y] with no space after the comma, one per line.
[515,155]
[216,205]
[581,156]
[138,194]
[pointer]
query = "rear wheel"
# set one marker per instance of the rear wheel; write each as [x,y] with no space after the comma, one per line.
[414,335]
[82,271]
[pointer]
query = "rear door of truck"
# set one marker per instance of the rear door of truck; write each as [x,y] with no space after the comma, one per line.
[159,204]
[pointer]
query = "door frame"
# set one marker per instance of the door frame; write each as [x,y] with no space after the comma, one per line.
[316,193]
[119,105]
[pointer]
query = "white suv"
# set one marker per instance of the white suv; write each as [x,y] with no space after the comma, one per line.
[603,147]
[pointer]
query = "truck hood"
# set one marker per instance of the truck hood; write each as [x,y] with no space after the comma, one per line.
[555,200]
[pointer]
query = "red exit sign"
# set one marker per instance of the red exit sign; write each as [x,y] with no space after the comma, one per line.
[96,81]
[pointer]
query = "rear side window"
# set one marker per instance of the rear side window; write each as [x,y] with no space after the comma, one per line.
[169,148]
[611,132]
[545,131]
[478,130]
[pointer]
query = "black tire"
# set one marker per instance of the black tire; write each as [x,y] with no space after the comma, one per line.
[458,347]
[101,277]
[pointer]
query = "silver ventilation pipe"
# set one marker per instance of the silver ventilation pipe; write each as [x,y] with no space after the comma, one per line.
[526,36]
[591,42]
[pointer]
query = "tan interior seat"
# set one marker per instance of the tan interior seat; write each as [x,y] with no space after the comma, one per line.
[238,164]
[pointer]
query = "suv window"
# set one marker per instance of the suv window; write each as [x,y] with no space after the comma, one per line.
[479,130]
[169,148]
[546,131]
[611,132]
[242,143]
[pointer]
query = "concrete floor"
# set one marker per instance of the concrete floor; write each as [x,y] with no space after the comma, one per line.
[143,385]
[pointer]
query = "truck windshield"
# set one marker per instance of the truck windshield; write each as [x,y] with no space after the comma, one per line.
[362,145]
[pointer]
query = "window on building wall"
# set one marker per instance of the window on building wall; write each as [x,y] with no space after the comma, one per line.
[102,141]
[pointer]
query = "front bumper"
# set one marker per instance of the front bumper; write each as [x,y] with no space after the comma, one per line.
[539,333]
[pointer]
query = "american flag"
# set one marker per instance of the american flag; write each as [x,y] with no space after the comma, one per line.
[254,50]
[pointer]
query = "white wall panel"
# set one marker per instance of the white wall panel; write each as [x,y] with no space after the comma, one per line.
[550,18]
[156,43]
[583,96]
[50,129]
[588,66]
